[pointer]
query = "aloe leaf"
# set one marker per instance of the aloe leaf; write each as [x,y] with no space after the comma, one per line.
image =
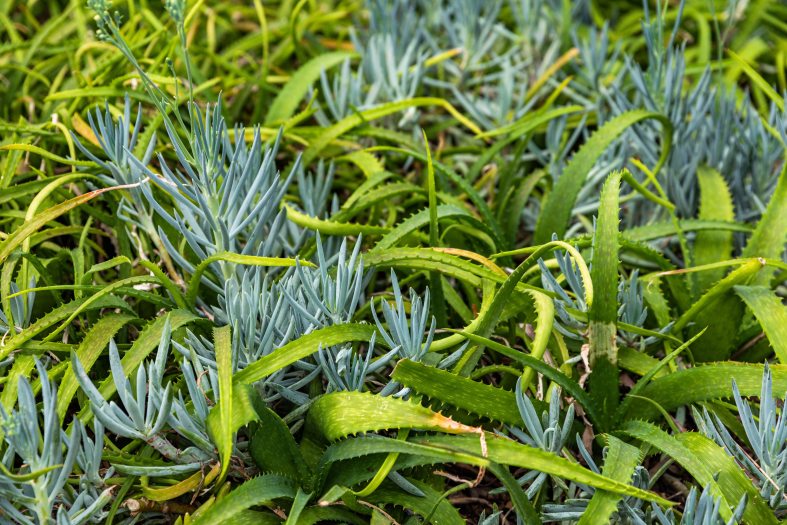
[89,350]
[18,236]
[770,311]
[703,459]
[720,310]
[222,343]
[256,491]
[545,318]
[712,246]
[769,236]
[566,383]
[342,127]
[422,218]
[55,316]
[236,258]
[703,383]
[619,464]
[243,406]
[273,448]
[286,102]
[556,211]
[337,415]
[471,396]
[603,314]
[507,452]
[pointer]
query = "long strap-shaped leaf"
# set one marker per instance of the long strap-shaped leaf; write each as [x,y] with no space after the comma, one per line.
[602,332]
[768,238]
[286,102]
[556,211]
[770,311]
[704,460]
[242,403]
[258,490]
[619,464]
[19,235]
[463,393]
[566,383]
[703,383]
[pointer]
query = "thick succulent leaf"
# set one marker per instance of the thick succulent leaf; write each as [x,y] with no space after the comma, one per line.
[771,312]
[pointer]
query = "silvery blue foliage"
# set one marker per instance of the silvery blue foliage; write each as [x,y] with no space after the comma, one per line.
[48,456]
[546,432]
[345,369]
[146,404]
[403,333]
[330,293]
[568,325]
[702,510]
[766,432]
[21,310]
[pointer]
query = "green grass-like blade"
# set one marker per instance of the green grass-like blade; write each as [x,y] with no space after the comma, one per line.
[286,102]
[769,236]
[222,343]
[89,350]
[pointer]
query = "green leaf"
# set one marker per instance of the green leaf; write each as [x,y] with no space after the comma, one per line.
[419,219]
[243,406]
[704,383]
[431,504]
[18,236]
[720,310]
[603,314]
[273,448]
[474,397]
[712,246]
[619,464]
[770,311]
[222,343]
[570,386]
[545,319]
[769,236]
[286,102]
[340,128]
[556,211]
[256,491]
[704,459]
[236,258]
[507,452]
[339,414]
[89,350]
[55,316]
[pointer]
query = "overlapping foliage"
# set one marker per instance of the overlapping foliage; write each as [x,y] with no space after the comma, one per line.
[393,261]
